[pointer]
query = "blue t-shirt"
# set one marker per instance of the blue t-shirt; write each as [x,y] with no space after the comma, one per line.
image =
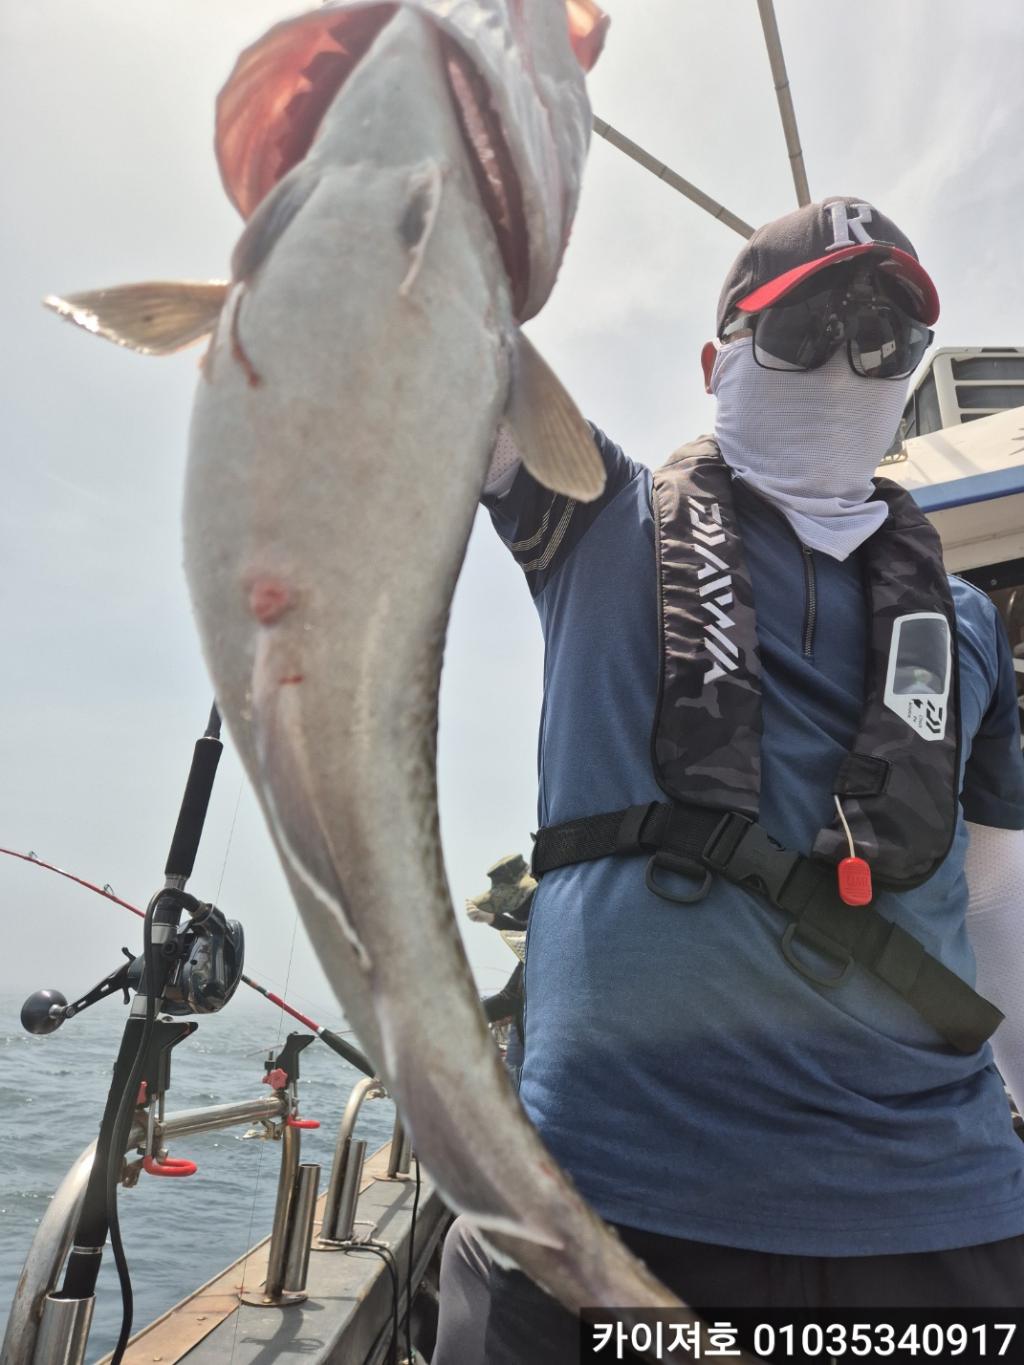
[687,1077]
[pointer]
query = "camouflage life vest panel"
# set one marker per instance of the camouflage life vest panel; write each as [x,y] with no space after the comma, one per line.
[898,783]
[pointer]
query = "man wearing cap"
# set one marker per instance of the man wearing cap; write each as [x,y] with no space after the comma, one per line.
[768,719]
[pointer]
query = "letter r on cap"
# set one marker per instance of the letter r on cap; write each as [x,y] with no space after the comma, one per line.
[843,225]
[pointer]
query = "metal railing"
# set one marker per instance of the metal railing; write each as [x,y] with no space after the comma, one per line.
[44,1330]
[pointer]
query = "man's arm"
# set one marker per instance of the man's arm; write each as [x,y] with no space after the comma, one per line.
[993,804]
[995,926]
[539,527]
[508,1001]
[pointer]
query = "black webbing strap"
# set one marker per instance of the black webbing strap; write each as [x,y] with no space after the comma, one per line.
[741,851]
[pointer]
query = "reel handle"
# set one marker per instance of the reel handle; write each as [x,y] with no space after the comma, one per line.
[44,1012]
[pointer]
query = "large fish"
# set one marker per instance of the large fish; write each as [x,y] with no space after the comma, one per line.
[409,173]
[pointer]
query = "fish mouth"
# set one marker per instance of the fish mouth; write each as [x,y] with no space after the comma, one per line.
[495,174]
[275,99]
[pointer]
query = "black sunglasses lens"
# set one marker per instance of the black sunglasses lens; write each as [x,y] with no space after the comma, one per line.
[885,343]
[795,334]
[804,329]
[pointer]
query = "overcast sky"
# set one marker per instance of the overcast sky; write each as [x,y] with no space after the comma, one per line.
[106,111]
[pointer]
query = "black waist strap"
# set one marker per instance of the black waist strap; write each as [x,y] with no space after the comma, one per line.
[698,840]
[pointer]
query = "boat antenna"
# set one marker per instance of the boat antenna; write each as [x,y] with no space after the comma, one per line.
[766,9]
[671,177]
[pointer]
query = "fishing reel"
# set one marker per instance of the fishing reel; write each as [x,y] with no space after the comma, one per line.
[206,955]
[211,954]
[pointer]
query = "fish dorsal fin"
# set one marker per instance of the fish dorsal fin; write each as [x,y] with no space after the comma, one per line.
[154,318]
[553,438]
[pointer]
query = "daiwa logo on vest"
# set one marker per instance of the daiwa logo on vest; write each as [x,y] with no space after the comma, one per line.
[715,590]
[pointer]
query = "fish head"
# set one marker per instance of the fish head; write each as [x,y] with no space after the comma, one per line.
[516,75]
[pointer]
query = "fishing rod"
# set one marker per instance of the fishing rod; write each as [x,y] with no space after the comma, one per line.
[188,966]
[191,964]
[57,1008]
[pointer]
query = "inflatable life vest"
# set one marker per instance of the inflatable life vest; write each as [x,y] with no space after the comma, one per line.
[896,790]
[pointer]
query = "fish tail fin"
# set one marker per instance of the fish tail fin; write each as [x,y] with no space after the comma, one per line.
[154,318]
[551,434]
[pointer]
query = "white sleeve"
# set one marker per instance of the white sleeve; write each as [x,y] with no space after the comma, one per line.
[505,461]
[995,927]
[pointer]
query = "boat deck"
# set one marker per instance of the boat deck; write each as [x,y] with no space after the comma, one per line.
[347,1315]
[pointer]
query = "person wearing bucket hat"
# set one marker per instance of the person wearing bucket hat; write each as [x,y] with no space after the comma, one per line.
[779,763]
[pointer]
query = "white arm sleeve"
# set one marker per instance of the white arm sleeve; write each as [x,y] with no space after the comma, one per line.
[995,927]
[505,462]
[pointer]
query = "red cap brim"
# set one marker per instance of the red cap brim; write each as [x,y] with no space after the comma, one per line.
[909,271]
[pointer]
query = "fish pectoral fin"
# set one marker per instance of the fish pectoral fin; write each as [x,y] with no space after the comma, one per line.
[154,318]
[271,219]
[553,438]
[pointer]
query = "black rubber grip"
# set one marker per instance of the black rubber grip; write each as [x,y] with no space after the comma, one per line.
[351,1054]
[192,815]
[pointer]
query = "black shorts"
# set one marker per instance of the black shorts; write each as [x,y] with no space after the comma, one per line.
[527,1327]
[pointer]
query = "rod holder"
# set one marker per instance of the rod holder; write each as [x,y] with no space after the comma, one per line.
[63,1331]
[332,1204]
[362,1090]
[274,1294]
[300,1231]
[344,1227]
[401,1151]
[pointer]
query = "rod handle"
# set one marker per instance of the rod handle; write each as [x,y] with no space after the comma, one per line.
[192,816]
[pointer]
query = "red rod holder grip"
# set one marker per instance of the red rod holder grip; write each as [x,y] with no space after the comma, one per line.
[173,1166]
[302,1123]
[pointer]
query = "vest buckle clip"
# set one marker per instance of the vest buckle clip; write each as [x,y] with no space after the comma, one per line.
[743,852]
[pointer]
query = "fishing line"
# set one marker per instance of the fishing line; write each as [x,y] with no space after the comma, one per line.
[248,1242]
[227,849]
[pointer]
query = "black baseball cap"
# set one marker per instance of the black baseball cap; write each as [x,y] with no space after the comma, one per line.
[783,253]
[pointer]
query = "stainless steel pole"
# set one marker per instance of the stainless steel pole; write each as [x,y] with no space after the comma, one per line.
[300,1232]
[64,1331]
[290,1146]
[400,1155]
[186,1121]
[361,1091]
[784,96]
[671,177]
[346,1221]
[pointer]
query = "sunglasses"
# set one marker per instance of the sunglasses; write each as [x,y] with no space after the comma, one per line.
[861,307]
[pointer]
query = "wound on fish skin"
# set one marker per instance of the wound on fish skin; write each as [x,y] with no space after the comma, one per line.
[269,599]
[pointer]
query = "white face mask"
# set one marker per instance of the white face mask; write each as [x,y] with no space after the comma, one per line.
[808,440]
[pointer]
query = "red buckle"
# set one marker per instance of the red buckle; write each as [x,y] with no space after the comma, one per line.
[854,876]
[172,1166]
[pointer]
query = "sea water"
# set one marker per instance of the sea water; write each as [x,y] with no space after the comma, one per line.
[177,1233]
